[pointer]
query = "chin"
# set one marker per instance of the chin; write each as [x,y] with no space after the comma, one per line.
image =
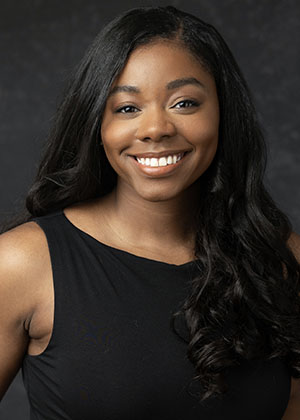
[156,195]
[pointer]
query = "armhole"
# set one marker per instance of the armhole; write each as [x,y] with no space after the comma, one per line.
[53,331]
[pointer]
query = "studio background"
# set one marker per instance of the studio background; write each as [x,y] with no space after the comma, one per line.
[41,41]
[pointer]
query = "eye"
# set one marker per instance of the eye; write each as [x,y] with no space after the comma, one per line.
[126,109]
[129,109]
[187,103]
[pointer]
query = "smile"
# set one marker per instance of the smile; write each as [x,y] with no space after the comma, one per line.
[159,167]
[162,161]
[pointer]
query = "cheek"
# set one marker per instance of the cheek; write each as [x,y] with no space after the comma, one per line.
[116,136]
[203,133]
[113,136]
[203,129]
[204,137]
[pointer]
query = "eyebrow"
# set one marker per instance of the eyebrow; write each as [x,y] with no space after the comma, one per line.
[174,84]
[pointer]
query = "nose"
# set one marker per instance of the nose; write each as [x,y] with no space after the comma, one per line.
[155,125]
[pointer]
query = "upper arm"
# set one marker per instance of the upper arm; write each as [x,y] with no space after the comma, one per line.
[294,245]
[17,298]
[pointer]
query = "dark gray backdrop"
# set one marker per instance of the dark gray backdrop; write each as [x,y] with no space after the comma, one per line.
[42,39]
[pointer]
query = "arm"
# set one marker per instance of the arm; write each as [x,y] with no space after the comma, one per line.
[16,300]
[293,409]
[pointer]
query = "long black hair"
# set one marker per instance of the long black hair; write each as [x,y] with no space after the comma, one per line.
[244,302]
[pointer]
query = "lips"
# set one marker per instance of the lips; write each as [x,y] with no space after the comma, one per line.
[164,153]
[157,171]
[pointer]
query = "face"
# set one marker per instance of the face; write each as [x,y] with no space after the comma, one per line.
[160,123]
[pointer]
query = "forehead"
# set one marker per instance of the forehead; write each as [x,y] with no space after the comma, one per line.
[163,47]
[159,62]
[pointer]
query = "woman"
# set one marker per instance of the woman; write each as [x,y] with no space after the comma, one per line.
[153,275]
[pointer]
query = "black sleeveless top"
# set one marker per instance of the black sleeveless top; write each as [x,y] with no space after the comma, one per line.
[113,355]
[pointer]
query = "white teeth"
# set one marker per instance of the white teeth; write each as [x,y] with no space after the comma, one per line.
[154,162]
[163,161]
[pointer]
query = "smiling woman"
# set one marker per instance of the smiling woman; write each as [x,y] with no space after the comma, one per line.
[144,118]
[152,275]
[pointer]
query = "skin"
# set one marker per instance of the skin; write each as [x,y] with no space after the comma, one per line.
[143,215]
[154,212]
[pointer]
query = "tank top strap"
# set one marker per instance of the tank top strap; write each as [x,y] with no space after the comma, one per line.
[75,259]
[58,240]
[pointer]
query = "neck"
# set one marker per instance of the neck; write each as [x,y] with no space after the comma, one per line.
[156,224]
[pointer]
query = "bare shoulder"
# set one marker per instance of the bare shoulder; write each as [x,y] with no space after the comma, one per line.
[23,247]
[24,257]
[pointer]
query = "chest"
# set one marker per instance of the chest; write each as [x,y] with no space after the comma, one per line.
[101,342]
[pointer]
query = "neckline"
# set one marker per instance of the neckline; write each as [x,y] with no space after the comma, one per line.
[123,252]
